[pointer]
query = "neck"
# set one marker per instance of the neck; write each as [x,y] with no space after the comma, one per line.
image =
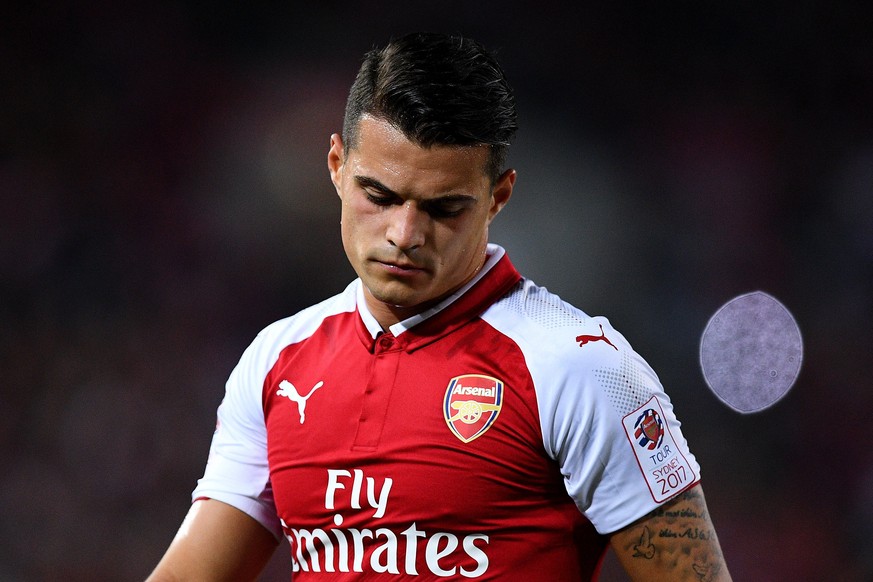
[387,314]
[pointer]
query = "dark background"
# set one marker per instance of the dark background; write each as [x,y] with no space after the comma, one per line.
[165,196]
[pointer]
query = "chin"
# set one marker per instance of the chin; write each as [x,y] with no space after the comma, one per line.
[401,301]
[393,298]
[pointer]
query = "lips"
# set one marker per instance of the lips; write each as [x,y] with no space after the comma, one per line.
[400,267]
[405,267]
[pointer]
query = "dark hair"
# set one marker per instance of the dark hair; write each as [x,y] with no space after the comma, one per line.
[437,90]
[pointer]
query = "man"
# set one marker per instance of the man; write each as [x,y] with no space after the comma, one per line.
[443,417]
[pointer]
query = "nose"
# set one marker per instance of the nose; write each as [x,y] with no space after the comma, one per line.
[407,227]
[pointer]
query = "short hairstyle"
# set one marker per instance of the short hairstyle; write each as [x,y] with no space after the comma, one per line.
[437,90]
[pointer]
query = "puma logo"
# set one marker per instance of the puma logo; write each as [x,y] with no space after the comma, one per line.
[584,339]
[287,389]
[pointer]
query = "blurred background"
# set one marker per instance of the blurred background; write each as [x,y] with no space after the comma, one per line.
[164,195]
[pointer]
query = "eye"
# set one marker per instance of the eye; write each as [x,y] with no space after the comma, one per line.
[379,199]
[446,210]
[448,207]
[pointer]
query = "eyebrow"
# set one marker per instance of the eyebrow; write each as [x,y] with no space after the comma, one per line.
[368,182]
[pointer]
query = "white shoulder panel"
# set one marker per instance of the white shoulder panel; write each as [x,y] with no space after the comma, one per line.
[594,394]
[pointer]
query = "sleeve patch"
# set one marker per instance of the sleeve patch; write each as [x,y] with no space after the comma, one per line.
[661,461]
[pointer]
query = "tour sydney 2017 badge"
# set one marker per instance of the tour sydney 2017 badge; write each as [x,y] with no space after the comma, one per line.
[471,405]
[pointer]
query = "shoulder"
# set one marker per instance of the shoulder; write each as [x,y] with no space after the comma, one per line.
[305,322]
[583,370]
[545,325]
[296,328]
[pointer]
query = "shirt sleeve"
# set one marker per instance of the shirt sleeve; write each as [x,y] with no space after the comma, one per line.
[609,424]
[237,472]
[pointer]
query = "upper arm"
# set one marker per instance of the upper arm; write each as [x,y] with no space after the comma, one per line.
[216,542]
[675,542]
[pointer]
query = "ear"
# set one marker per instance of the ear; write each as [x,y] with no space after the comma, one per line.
[335,160]
[501,192]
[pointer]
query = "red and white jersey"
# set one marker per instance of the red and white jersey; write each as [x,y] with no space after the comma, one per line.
[499,435]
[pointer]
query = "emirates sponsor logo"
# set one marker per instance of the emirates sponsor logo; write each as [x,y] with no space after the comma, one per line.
[471,405]
[408,549]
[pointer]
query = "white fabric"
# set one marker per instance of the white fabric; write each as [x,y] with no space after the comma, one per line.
[583,392]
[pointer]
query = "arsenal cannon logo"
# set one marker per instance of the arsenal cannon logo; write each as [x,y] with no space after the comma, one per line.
[472,404]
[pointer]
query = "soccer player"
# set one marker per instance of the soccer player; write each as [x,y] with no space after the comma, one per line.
[442,417]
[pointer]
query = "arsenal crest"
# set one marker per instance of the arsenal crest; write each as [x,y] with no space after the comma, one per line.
[472,404]
[649,430]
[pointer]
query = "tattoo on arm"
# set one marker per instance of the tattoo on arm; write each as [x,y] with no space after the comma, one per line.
[704,573]
[678,538]
[645,548]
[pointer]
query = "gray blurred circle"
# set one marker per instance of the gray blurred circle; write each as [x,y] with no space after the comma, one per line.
[750,352]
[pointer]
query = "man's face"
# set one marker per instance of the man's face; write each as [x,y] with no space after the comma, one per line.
[414,220]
